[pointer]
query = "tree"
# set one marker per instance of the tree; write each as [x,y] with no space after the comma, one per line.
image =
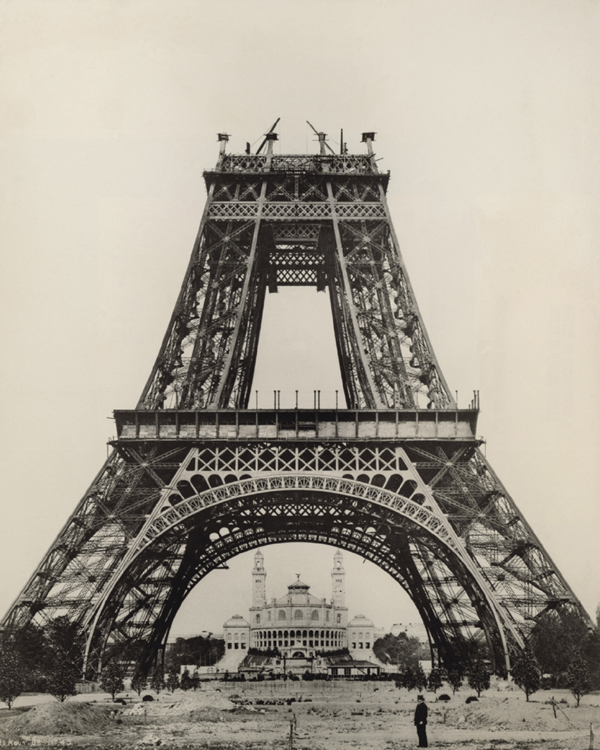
[556,638]
[62,657]
[62,633]
[172,681]
[591,653]
[29,643]
[435,680]
[198,650]
[420,678]
[479,676]
[454,680]
[526,673]
[62,675]
[111,680]
[186,681]
[12,675]
[578,677]
[398,649]
[408,679]
[139,682]
[157,682]
[464,652]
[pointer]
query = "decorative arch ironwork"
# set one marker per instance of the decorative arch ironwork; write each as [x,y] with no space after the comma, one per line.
[401,536]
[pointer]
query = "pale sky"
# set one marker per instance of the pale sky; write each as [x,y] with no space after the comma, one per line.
[487,114]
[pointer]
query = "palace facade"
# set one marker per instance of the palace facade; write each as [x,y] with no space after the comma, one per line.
[298,625]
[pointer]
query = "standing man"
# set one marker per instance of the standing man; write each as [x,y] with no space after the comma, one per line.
[421,720]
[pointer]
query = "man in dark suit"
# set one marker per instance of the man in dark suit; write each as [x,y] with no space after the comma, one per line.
[421,720]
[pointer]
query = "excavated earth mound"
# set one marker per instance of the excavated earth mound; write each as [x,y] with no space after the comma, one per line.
[506,715]
[210,706]
[59,718]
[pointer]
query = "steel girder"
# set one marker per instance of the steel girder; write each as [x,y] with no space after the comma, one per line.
[403,486]
[266,222]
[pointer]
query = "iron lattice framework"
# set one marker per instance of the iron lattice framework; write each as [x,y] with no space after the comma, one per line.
[196,477]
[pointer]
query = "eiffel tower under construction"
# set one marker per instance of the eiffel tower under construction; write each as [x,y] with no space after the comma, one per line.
[196,477]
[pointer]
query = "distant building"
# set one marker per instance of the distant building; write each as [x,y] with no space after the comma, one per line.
[361,635]
[236,634]
[412,630]
[298,625]
[353,668]
[174,637]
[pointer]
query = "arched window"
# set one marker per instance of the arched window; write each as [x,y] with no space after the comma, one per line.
[338,619]
[298,615]
[281,614]
[314,614]
[258,619]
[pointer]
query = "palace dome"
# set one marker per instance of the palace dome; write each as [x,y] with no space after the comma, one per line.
[237,621]
[298,585]
[360,621]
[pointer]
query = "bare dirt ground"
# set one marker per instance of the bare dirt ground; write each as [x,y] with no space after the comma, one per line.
[303,716]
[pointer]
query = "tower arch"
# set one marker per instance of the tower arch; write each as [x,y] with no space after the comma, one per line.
[411,543]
